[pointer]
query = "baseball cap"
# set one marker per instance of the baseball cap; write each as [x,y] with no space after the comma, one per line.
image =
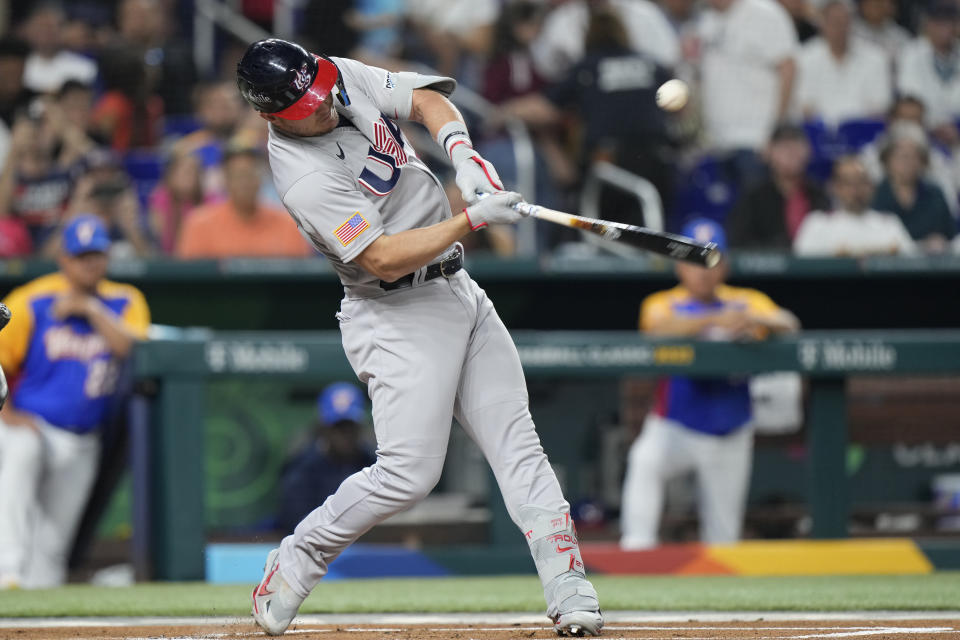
[84,234]
[341,401]
[706,230]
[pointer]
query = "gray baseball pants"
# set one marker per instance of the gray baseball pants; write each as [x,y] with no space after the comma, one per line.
[426,353]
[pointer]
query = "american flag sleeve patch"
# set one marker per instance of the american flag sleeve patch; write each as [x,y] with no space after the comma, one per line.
[350,229]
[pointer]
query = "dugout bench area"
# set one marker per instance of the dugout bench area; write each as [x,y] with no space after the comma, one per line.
[574,322]
[167,428]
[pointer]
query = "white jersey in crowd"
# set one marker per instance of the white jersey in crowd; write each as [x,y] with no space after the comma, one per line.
[561,42]
[741,49]
[348,187]
[917,76]
[856,87]
[890,37]
[47,75]
[842,233]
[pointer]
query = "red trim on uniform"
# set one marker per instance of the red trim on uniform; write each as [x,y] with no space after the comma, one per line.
[484,167]
[450,151]
[318,91]
[473,228]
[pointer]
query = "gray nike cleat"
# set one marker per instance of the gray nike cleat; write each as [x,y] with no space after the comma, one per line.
[579,623]
[274,603]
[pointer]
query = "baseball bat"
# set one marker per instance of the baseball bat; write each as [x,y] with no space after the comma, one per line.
[666,244]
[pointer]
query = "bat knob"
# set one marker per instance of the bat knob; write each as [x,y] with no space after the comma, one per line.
[711,255]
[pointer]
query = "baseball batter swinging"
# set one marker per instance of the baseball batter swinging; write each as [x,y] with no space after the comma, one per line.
[417,330]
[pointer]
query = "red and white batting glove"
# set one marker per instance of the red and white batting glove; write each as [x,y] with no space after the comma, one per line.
[474,174]
[494,209]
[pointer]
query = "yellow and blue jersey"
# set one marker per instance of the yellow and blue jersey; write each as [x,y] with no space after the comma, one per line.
[63,370]
[711,406]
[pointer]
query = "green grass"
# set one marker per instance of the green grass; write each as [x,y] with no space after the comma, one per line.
[670,593]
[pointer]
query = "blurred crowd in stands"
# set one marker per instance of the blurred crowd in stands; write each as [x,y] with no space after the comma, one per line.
[823,127]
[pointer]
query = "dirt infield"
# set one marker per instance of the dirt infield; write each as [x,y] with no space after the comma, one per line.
[757,629]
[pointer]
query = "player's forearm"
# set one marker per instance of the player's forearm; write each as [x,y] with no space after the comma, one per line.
[781,322]
[682,326]
[433,110]
[119,339]
[392,257]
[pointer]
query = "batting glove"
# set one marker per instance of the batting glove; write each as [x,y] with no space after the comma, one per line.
[494,209]
[474,174]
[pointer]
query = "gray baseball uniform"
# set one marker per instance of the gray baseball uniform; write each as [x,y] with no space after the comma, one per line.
[426,352]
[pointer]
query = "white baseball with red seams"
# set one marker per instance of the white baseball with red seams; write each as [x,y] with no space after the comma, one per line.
[427,352]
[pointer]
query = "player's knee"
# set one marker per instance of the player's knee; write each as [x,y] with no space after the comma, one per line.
[412,479]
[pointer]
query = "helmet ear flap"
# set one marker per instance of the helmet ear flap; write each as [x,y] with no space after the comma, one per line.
[341,89]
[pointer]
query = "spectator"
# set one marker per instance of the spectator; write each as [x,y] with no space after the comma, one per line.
[699,426]
[48,65]
[334,449]
[241,225]
[840,77]
[801,14]
[127,115]
[681,14]
[380,26]
[76,104]
[877,25]
[106,191]
[45,160]
[452,28]
[904,191]
[510,72]
[562,42]
[852,228]
[67,336]
[944,165]
[929,68]
[221,114]
[14,96]
[613,92]
[747,78]
[144,27]
[175,198]
[768,215]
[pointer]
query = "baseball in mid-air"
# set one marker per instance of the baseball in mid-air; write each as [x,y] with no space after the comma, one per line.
[673,95]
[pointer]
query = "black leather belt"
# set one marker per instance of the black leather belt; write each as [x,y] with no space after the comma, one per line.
[446,268]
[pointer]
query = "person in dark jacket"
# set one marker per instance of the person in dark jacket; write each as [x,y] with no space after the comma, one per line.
[769,213]
[334,451]
[921,206]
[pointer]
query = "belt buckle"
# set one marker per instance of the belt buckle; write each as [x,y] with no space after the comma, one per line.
[454,261]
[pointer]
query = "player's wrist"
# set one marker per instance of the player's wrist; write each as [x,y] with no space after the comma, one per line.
[456,142]
[480,224]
